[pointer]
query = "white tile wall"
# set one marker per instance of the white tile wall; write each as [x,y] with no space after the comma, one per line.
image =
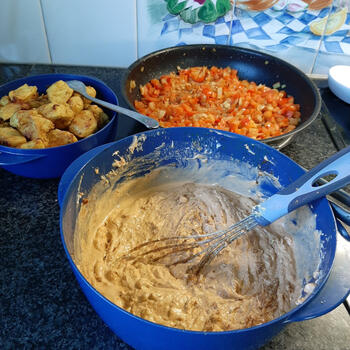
[149,24]
[90,32]
[22,32]
[114,33]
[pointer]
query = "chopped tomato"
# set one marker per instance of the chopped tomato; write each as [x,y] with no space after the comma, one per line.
[216,98]
[198,74]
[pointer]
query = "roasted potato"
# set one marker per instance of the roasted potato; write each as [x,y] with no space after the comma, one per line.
[76,103]
[59,92]
[24,93]
[7,111]
[100,116]
[29,120]
[31,124]
[34,144]
[58,137]
[11,137]
[90,91]
[4,100]
[83,124]
[41,100]
[60,114]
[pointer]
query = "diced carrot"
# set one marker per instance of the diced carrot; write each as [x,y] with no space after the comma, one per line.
[215,97]
[198,74]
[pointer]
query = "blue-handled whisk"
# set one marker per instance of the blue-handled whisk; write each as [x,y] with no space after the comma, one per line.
[300,192]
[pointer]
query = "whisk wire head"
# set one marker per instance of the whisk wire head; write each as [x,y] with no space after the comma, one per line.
[210,246]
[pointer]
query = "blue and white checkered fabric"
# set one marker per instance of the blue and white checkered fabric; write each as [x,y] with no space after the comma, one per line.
[271,30]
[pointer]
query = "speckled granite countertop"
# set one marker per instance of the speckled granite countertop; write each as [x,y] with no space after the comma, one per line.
[41,304]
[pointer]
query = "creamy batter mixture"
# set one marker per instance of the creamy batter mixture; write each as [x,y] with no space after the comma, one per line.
[252,281]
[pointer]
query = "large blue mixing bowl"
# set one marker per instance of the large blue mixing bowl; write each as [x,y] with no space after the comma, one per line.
[52,162]
[176,145]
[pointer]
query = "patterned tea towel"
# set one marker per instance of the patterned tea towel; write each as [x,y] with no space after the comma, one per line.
[272,30]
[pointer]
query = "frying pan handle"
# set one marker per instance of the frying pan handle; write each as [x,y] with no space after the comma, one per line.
[335,290]
[73,169]
[12,158]
[284,143]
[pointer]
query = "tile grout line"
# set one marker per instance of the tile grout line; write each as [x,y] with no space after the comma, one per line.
[229,39]
[321,40]
[44,22]
[137,29]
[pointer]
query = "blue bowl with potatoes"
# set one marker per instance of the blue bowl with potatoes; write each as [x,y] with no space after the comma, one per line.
[44,125]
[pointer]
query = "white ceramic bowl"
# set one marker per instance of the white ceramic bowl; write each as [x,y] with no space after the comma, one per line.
[339,82]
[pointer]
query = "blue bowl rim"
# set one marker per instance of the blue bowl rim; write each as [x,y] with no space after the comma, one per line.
[281,319]
[23,80]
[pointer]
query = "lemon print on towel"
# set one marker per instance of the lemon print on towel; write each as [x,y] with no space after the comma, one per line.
[193,11]
[334,23]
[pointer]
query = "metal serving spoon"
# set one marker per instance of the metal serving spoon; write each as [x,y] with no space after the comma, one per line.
[80,87]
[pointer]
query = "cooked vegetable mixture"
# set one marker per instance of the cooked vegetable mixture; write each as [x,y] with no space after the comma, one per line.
[216,98]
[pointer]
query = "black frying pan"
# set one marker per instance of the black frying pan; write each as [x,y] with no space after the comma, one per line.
[250,64]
